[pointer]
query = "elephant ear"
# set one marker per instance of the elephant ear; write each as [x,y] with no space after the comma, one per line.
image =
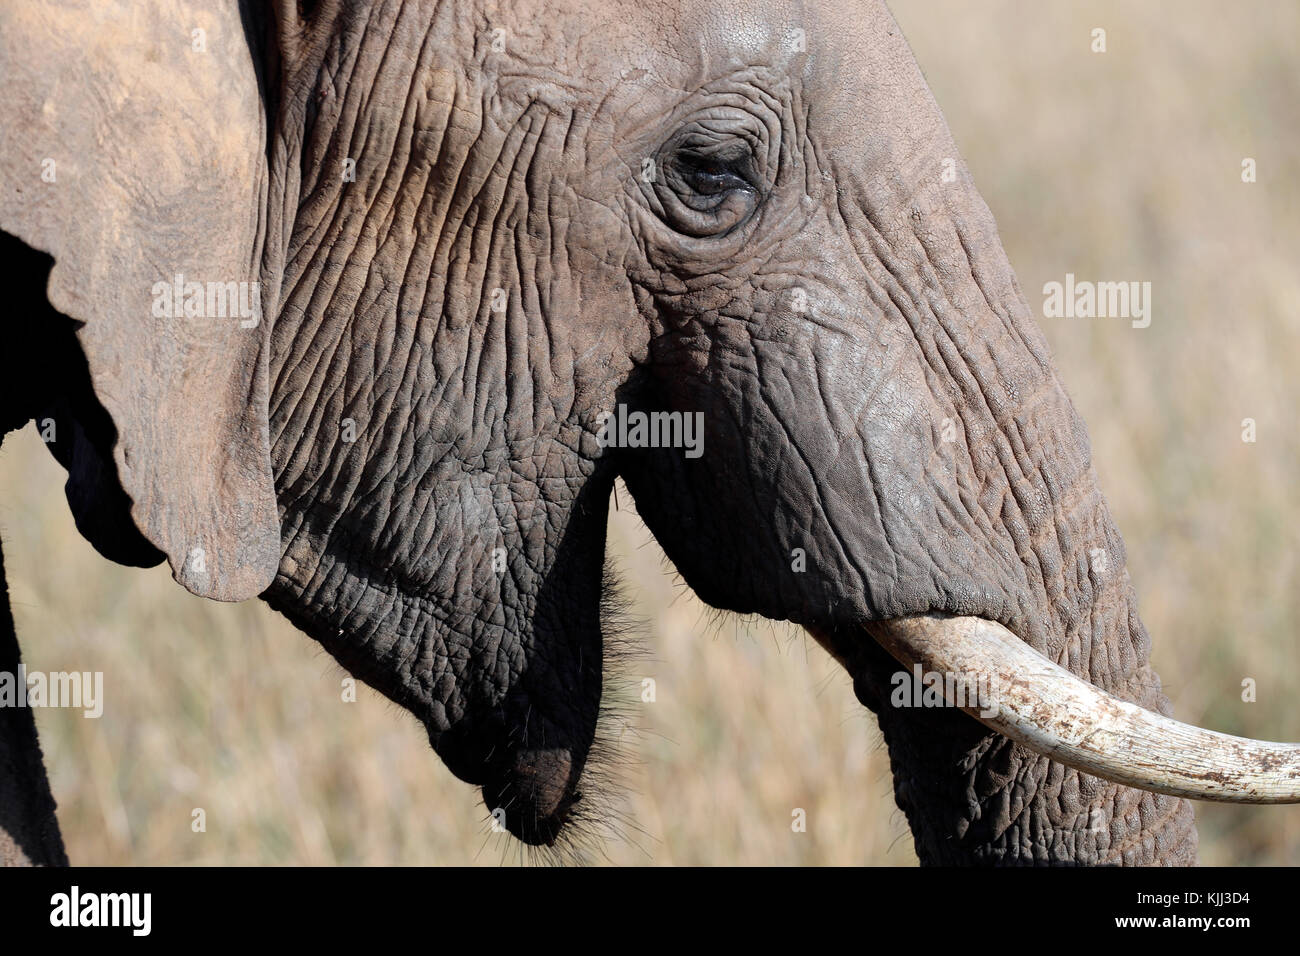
[132,151]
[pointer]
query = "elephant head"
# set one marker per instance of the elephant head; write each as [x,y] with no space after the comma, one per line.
[465,239]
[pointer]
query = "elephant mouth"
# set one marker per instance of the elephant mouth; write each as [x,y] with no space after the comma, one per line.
[1022,695]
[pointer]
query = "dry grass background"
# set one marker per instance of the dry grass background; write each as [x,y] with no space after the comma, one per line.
[1118,166]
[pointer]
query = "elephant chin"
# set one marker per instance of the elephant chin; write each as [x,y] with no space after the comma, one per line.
[533,792]
[529,791]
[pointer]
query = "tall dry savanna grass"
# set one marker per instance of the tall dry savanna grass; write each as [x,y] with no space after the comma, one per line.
[1117,166]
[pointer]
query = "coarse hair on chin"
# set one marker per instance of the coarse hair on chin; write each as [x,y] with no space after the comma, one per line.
[601,816]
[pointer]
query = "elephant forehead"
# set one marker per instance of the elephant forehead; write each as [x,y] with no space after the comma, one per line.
[634,71]
[679,46]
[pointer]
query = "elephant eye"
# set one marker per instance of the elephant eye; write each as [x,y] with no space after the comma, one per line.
[710,176]
[707,190]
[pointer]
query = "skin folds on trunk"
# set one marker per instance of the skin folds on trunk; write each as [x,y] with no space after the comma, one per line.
[972,796]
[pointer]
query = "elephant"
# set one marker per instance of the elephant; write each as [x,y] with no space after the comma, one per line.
[363,307]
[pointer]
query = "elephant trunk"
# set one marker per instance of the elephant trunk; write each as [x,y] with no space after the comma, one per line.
[1014,533]
[1071,759]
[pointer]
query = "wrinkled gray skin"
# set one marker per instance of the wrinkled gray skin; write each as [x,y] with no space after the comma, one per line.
[799,272]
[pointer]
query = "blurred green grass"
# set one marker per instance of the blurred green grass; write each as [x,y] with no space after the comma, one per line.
[1115,166]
